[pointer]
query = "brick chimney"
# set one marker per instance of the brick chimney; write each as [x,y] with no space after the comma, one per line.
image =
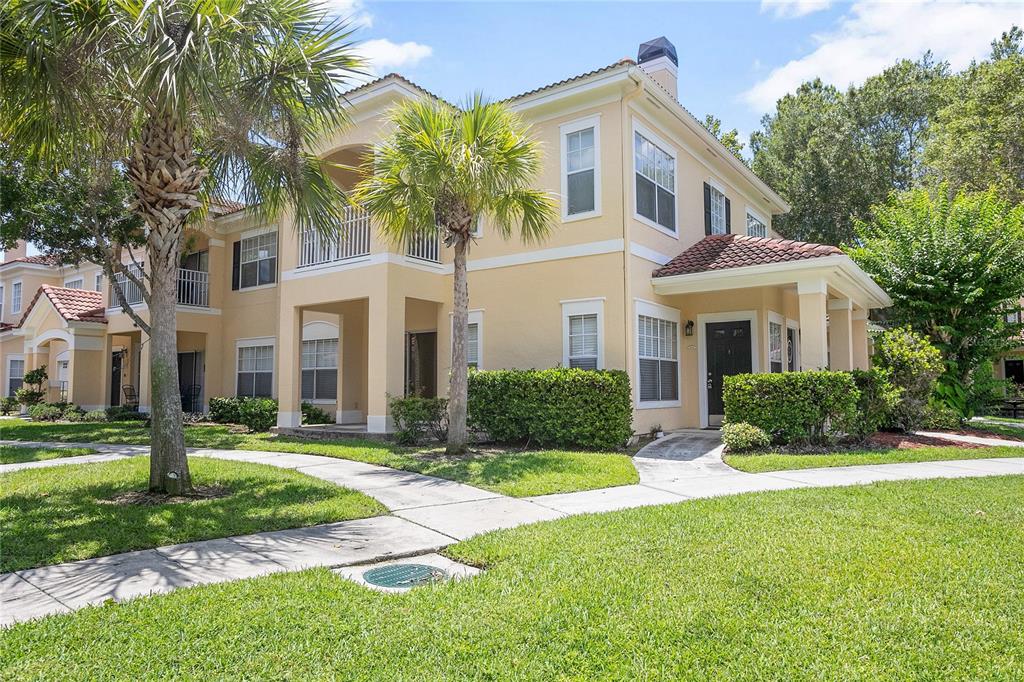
[20,250]
[658,58]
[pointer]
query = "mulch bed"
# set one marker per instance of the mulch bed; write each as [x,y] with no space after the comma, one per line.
[907,441]
[145,498]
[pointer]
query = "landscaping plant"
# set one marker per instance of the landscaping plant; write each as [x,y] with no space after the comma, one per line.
[311,414]
[258,414]
[418,418]
[31,391]
[743,437]
[911,365]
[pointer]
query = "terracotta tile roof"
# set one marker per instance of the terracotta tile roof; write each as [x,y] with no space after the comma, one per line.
[225,206]
[35,260]
[74,305]
[621,62]
[722,252]
[396,76]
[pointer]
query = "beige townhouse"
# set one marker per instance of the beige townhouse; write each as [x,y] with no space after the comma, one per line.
[663,263]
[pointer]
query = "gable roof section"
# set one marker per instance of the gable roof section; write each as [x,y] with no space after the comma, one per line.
[722,252]
[33,260]
[74,305]
[572,79]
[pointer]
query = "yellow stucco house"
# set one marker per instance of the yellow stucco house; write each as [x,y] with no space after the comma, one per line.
[663,264]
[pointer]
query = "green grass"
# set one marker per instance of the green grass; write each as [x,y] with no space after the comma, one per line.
[893,581]
[1008,420]
[1000,430]
[53,515]
[13,454]
[758,463]
[510,472]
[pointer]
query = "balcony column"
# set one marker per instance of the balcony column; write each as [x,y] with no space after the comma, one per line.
[289,365]
[813,294]
[385,358]
[840,338]
[859,339]
[145,385]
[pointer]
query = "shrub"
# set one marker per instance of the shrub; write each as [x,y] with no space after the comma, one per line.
[29,396]
[417,419]
[31,392]
[942,417]
[94,416]
[258,414]
[743,437]
[123,413]
[911,365]
[8,404]
[311,414]
[559,407]
[794,407]
[875,403]
[225,410]
[45,413]
[73,413]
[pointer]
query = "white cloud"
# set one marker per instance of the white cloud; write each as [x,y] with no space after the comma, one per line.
[351,10]
[790,9]
[382,54]
[873,35]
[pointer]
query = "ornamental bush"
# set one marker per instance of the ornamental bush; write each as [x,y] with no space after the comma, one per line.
[45,413]
[123,413]
[311,414]
[743,437]
[258,414]
[417,419]
[8,404]
[877,399]
[95,416]
[558,407]
[224,410]
[912,365]
[794,407]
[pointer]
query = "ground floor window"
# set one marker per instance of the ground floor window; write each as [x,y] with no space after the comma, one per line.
[15,375]
[583,341]
[775,346]
[320,369]
[255,371]
[658,350]
[473,345]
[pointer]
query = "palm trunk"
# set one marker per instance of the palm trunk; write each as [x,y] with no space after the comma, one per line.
[167,178]
[458,387]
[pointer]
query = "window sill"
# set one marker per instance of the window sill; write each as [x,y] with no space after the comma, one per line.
[257,287]
[566,218]
[660,228]
[658,404]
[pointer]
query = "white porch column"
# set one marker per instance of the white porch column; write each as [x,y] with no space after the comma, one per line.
[385,358]
[859,339]
[289,367]
[813,294]
[839,315]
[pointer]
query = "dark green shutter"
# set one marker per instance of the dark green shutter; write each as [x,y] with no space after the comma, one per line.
[728,216]
[707,208]
[236,264]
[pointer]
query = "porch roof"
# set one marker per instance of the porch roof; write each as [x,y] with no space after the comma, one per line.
[735,261]
[74,305]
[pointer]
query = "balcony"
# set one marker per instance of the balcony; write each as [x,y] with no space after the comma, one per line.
[352,241]
[424,247]
[193,288]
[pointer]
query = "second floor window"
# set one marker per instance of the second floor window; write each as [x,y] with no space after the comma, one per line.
[16,298]
[716,210]
[755,226]
[320,369]
[99,281]
[580,165]
[76,283]
[655,182]
[255,371]
[255,261]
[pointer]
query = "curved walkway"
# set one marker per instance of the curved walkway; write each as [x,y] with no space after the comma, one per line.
[429,514]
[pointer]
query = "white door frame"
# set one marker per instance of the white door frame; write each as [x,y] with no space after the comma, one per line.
[702,351]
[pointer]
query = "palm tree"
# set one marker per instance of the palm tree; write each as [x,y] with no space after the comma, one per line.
[439,172]
[188,98]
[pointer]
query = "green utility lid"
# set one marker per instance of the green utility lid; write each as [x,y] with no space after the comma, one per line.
[403,575]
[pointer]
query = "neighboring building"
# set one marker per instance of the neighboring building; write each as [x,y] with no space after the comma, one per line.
[1011,365]
[663,264]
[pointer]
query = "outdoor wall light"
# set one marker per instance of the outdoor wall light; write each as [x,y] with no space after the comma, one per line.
[689,328]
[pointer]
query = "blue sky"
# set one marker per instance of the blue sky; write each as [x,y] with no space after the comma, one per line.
[735,58]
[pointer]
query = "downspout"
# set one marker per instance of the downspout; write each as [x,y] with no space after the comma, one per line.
[627,284]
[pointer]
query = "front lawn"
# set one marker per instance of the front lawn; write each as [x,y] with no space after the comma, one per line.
[907,580]
[756,463]
[510,472]
[59,514]
[1003,430]
[13,454]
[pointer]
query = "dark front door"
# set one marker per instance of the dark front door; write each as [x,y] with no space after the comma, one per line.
[115,378]
[190,381]
[421,364]
[1015,370]
[728,345]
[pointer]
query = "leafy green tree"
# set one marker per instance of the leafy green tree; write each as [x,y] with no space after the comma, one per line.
[977,139]
[188,98]
[439,172]
[730,139]
[954,268]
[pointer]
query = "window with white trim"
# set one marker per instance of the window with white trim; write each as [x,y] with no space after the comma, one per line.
[775,346]
[258,260]
[1,303]
[718,225]
[755,226]
[583,335]
[98,286]
[473,345]
[15,375]
[76,283]
[255,371]
[580,164]
[658,350]
[655,182]
[320,369]
[16,298]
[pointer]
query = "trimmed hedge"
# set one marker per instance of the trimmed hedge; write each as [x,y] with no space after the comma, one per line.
[224,410]
[418,418]
[558,407]
[794,407]
[259,414]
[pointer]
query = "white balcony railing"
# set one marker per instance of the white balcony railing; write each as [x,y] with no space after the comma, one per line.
[424,247]
[352,241]
[193,288]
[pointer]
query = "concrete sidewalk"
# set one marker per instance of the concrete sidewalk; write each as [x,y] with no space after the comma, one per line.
[430,513]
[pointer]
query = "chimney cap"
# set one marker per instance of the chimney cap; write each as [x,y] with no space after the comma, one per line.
[659,47]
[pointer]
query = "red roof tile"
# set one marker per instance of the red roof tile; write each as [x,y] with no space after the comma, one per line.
[74,305]
[722,252]
[35,260]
